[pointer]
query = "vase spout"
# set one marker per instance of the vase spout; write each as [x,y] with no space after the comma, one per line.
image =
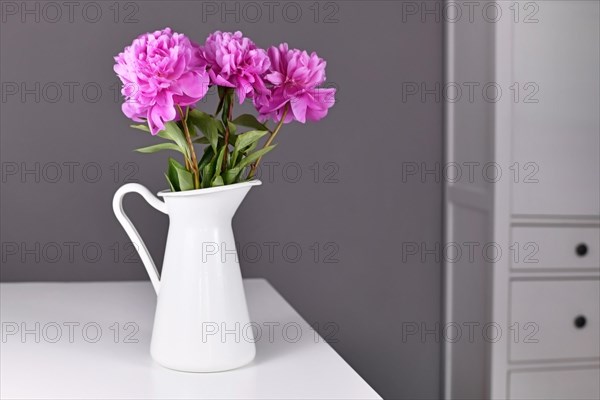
[215,204]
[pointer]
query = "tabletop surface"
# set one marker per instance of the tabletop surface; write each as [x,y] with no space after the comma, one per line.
[92,340]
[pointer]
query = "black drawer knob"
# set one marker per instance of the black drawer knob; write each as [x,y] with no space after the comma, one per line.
[581,249]
[580,321]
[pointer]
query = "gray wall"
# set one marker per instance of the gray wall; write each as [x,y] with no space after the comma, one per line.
[359,211]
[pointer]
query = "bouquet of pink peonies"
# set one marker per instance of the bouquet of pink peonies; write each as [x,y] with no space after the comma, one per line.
[164,75]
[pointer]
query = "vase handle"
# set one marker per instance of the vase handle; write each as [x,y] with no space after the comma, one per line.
[133,234]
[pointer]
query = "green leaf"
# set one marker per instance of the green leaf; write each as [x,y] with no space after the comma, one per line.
[232,128]
[221,90]
[218,181]
[250,148]
[250,158]
[158,147]
[172,174]
[219,106]
[250,121]
[207,125]
[232,134]
[231,175]
[247,138]
[244,152]
[141,127]
[234,158]
[243,141]
[179,177]
[186,179]
[191,128]
[220,126]
[219,161]
[206,158]
[227,100]
[207,174]
[212,169]
[170,183]
[172,132]
[200,140]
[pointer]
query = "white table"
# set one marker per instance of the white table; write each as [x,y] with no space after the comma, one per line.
[79,364]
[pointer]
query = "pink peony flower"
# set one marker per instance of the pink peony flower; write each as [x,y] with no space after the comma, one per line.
[294,77]
[159,71]
[235,62]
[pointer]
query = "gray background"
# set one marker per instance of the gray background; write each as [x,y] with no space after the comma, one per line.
[358,210]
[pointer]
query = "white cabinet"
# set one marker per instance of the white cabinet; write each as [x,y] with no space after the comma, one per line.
[555,110]
[533,302]
[554,320]
[553,247]
[575,384]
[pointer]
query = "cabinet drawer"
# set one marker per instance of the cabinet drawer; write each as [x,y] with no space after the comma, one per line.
[555,384]
[555,247]
[555,320]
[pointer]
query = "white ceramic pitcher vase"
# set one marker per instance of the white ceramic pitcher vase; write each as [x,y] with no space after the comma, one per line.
[201,322]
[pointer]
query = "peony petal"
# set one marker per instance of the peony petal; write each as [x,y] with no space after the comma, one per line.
[220,81]
[194,84]
[155,122]
[276,78]
[240,92]
[315,115]
[320,100]
[131,111]
[325,97]
[299,105]
[274,102]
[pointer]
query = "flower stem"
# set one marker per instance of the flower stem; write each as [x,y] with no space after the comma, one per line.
[269,141]
[188,138]
[226,118]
